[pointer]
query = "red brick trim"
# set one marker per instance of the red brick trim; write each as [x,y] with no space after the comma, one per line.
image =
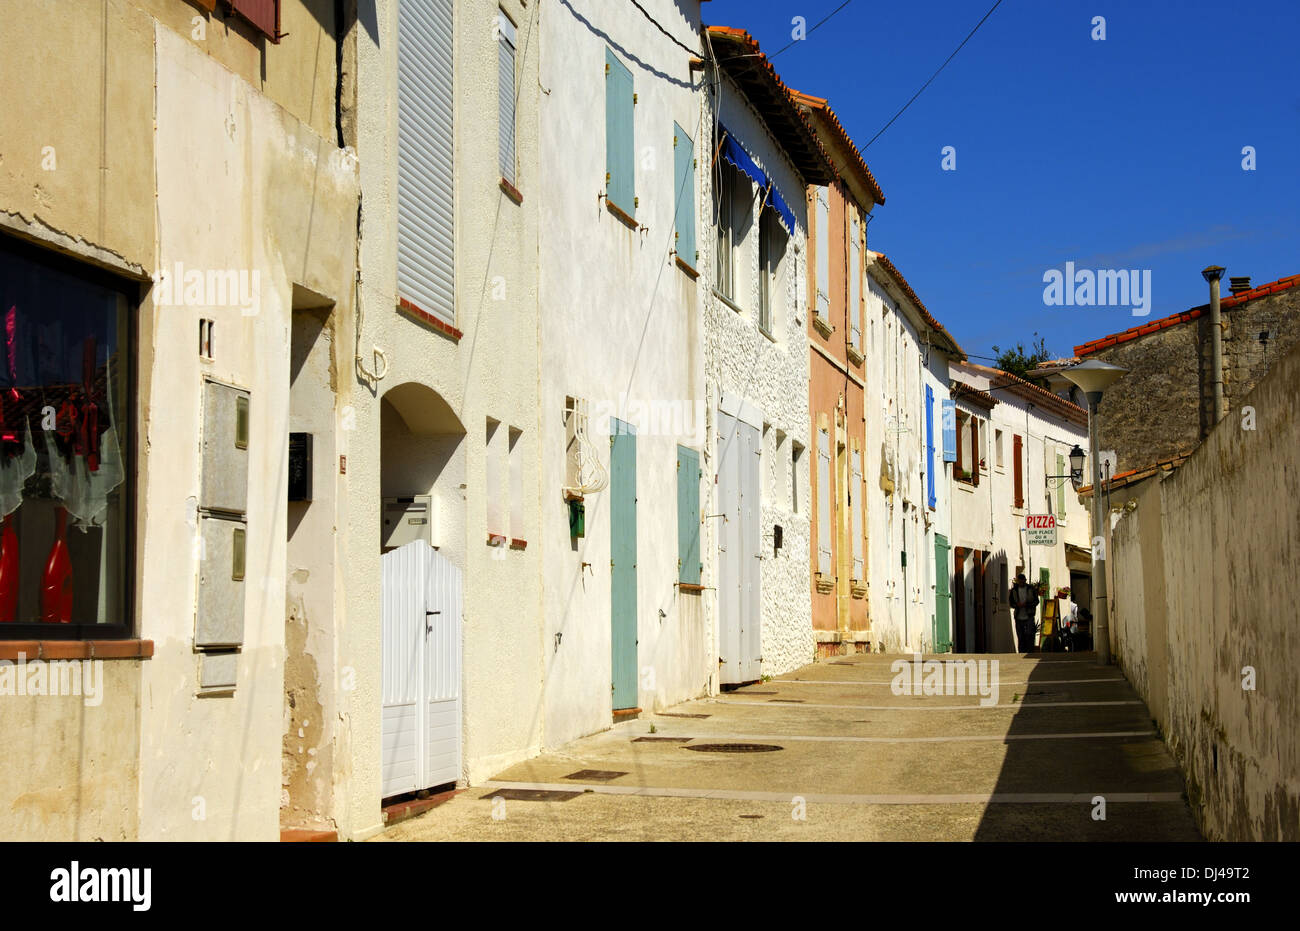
[76,649]
[409,808]
[623,217]
[518,544]
[511,191]
[424,316]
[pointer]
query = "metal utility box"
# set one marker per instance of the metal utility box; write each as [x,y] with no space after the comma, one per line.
[408,518]
[222,565]
[226,424]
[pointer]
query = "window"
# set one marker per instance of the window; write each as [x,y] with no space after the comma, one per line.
[620,161]
[425,156]
[825,492]
[929,447]
[724,220]
[506,95]
[496,512]
[855,282]
[1060,486]
[855,505]
[66,475]
[771,249]
[796,458]
[688,516]
[997,448]
[1018,469]
[984,448]
[822,304]
[684,181]
[516,466]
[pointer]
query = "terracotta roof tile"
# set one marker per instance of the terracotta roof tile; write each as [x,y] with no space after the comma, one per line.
[858,164]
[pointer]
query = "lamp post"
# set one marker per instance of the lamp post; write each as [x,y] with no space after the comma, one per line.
[1093,377]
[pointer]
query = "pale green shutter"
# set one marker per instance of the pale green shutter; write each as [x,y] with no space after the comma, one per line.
[1060,487]
[684,182]
[688,516]
[620,162]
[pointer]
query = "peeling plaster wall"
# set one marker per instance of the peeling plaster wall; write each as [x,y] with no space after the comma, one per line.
[770,373]
[1227,523]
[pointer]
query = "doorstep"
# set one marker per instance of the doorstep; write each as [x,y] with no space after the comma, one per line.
[626,714]
[409,808]
[308,835]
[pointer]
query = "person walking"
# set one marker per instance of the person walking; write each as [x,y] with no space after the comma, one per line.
[1024,605]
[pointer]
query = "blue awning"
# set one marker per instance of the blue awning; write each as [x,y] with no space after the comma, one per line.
[735,153]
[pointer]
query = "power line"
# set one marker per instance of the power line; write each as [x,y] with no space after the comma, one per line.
[936,73]
[813,29]
[694,53]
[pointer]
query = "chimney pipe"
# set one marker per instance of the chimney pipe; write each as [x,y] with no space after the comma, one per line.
[1212,274]
[1238,284]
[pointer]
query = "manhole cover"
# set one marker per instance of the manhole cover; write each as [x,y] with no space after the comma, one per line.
[681,714]
[599,775]
[532,795]
[679,740]
[734,748]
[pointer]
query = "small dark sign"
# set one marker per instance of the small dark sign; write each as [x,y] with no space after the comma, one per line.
[299,466]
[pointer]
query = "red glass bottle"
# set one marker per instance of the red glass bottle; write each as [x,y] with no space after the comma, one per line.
[56,583]
[8,571]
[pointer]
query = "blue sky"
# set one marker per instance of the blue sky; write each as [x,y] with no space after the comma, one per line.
[1124,153]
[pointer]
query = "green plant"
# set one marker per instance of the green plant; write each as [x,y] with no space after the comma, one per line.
[652,727]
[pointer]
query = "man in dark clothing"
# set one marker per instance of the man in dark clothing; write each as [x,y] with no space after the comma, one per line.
[1024,605]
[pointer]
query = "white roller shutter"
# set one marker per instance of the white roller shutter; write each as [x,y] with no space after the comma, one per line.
[506,96]
[425,197]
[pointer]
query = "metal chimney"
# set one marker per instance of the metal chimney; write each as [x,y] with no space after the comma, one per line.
[1212,274]
[1239,284]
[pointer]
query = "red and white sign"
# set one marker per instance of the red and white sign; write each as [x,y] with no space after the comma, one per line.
[1041,529]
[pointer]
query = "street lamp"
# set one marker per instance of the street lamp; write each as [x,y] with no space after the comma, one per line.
[1093,377]
[1076,471]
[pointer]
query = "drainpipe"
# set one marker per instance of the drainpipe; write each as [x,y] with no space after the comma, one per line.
[1212,274]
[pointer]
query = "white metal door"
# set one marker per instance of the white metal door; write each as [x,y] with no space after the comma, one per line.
[421,623]
[739,567]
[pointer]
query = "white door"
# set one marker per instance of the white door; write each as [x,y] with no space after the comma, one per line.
[421,669]
[739,586]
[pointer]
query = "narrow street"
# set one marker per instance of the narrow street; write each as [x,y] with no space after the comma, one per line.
[855,762]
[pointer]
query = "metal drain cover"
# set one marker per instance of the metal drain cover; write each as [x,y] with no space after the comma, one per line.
[599,775]
[734,748]
[532,795]
[679,740]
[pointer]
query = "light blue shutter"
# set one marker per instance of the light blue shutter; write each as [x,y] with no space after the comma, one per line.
[929,444]
[855,284]
[823,306]
[1060,487]
[506,96]
[684,182]
[824,493]
[949,430]
[688,516]
[620,163]
[425,218]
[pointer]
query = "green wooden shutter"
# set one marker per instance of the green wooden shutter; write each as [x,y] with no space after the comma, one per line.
[684,182]
[1060,487]
[688,516]
[620,161]
[1045,576]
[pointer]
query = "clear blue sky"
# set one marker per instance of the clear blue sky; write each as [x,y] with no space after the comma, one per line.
[1123,153]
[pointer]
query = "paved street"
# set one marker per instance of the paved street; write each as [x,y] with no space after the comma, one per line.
[855,762]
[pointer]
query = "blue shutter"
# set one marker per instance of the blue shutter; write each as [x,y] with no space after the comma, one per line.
[684,182]
[688,516]
[929,443]
[949,430]
[620,161]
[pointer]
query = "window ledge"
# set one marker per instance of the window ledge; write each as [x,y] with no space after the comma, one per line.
[686,267]
[966,486]
[518,544]
[856,357]
[823,325]
[728,301]
[626,219]
[767,333]
[689,587]
[422,315]
[31,650]
[496,539]
[825,584]
[511,191]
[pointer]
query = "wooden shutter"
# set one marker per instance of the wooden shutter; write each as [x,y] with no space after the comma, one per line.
[684,182]
[824,493]
[688,516]
[855,504]
[264,15]
[974,450]
[855,283]
[1018,470]
[929,446]
[506,96]
[1060,488]
[823,306]
[620,158]
[425,146]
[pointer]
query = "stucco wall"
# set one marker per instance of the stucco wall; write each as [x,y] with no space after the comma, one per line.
[772,373]
[1227,524]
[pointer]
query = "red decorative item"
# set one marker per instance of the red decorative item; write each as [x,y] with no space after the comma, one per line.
[56,583]
[8,572]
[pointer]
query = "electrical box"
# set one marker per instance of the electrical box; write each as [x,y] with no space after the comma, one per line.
[300,467]
[226,417]
[222,566]
[409,518]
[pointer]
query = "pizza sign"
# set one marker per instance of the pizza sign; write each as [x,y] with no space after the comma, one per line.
[1041,529]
